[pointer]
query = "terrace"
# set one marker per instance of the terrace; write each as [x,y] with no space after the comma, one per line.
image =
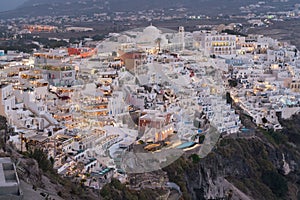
[56,68]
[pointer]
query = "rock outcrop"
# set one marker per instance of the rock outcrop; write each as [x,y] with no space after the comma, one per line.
[239,169]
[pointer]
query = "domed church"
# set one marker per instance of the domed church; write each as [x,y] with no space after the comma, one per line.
[150,37]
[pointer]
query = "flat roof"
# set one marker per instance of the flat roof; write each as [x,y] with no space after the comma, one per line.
[8,176]
[39,138]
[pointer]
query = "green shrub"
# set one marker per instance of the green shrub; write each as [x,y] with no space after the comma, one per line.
[41,157]
[275,182]
[195,158]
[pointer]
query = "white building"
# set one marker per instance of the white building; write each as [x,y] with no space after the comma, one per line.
[218,43]
[275,56]
[116,104]
[7,99]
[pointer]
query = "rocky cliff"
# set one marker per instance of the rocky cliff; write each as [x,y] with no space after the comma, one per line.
[265,166]
[262,166]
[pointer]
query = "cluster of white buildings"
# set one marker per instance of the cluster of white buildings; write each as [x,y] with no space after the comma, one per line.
[264,69]
[144,87]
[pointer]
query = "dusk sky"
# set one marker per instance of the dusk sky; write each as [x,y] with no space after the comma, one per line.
[10,4]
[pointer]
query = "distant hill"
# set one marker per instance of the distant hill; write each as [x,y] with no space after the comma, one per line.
[11,4]
[76,7]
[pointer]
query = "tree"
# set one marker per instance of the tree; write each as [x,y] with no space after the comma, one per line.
[195,158]
[158,42]
[232,82]
[3,129]
[3,123]
[98,37]
[228,98]
[41,157]
[114,54]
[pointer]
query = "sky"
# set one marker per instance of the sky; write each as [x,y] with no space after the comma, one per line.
[10,4]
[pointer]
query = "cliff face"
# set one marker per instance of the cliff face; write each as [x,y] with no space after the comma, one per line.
[240,169]
[263,166]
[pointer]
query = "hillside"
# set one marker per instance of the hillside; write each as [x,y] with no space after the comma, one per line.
[263,167]
[87,7]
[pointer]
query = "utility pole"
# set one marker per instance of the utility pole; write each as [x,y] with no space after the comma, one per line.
[5,135]
[21,142]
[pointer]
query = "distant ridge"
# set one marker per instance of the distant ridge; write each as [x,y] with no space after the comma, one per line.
[75,7]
